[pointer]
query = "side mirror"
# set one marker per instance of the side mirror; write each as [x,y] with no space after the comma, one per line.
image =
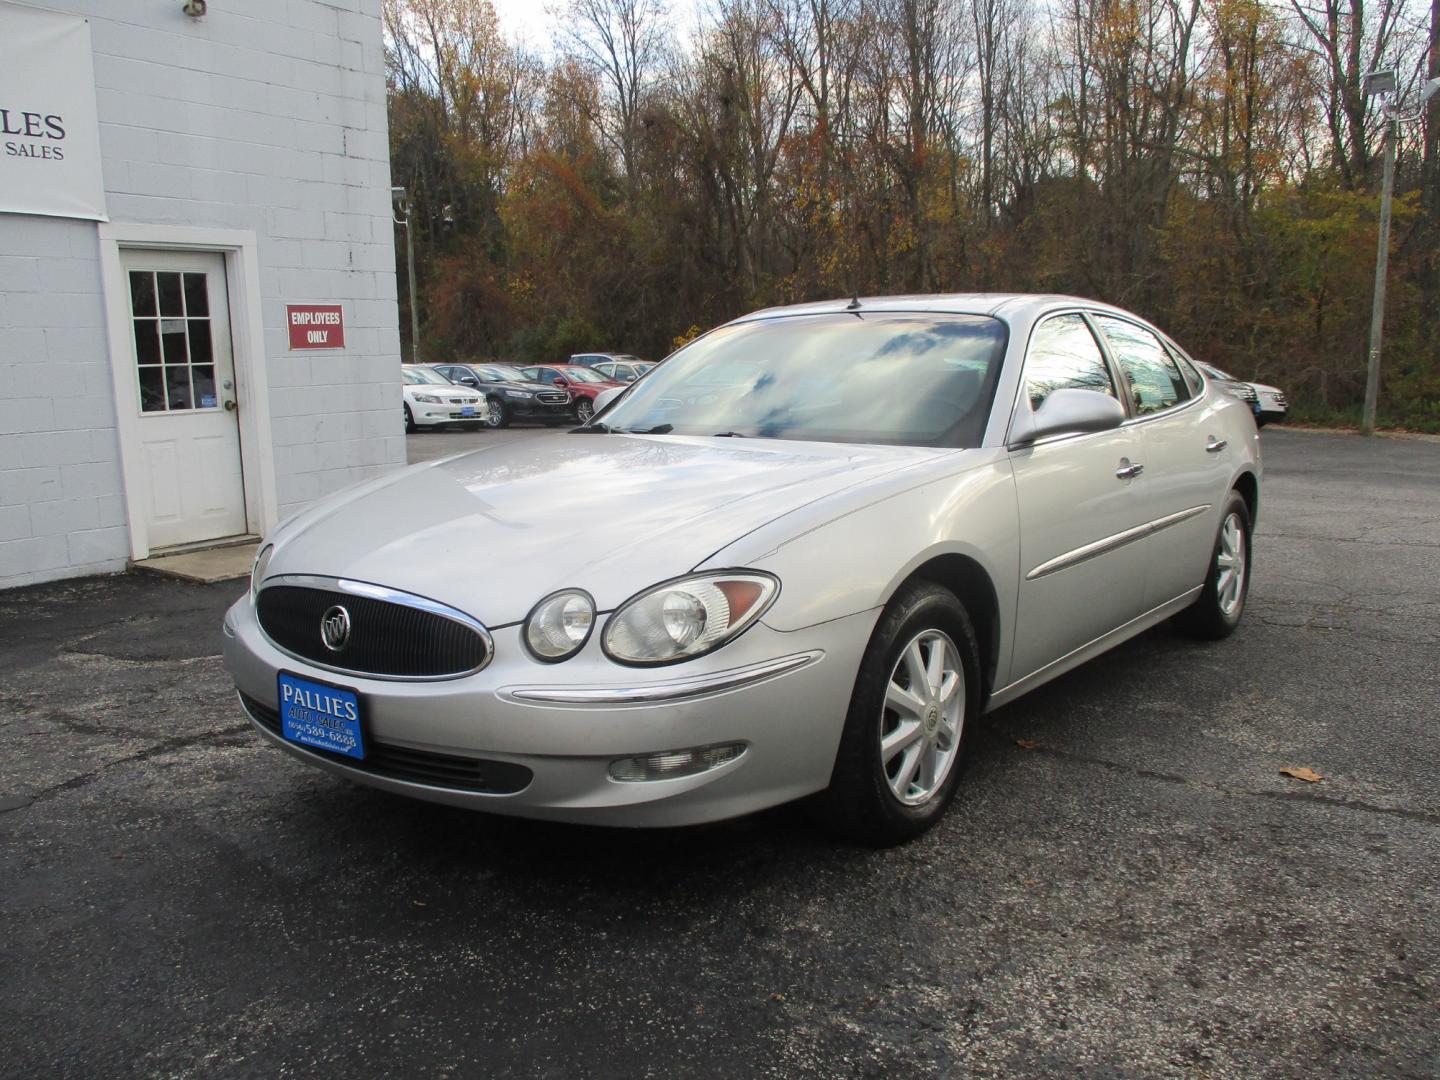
[469,380]
[605,397]
[1067,412]
[558,381]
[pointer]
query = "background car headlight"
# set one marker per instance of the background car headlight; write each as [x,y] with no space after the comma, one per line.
[257,571]
[428,399]
[558,626]
[683,619]
[519,394]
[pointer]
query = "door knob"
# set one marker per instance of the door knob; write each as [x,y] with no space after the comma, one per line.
[1214,445]
[230,405]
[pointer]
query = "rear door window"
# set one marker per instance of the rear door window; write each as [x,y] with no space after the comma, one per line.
[1155,380]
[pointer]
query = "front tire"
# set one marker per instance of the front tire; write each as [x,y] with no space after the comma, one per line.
[499,415]
[410,427]
[584,410]
[1217,610]
[900,754]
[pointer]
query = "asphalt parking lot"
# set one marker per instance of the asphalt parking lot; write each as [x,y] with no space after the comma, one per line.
[1126,885]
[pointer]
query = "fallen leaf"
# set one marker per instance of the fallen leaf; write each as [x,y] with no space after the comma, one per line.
[777,997]
[1025,744]
[1310,776]
[419,903]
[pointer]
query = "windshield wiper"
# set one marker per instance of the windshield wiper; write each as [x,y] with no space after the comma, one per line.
[592,429]
[729,435]
[658,429]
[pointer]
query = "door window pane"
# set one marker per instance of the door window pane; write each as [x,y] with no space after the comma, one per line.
[172,337]
[142,292]
[201,351]
[1064,356]
[177,387]
[147,344]
[152,389]
[171,301]
[203,380]
[1155,381]
[197,298]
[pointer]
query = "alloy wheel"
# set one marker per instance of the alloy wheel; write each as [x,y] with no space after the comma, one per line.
[1230,561]
[922,717]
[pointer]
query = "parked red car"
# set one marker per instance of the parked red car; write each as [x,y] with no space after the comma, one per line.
[585,384]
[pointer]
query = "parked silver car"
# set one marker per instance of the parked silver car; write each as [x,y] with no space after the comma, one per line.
[819,542]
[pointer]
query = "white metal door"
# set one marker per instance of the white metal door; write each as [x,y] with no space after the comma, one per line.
[184,394]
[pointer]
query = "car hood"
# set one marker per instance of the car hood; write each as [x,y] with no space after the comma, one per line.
[523,385]
[492,531]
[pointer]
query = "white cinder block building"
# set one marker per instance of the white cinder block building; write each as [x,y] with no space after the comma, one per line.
[197,288]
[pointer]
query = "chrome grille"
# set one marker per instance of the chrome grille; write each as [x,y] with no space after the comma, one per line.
[553,398]
[392,635]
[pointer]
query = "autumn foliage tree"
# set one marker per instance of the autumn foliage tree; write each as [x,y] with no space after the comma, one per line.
[1212,164]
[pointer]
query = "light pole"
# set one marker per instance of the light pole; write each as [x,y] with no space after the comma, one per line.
[1382,84]
[397,199]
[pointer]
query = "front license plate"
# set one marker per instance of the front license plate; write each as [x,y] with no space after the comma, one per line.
[467,410]
[320,716]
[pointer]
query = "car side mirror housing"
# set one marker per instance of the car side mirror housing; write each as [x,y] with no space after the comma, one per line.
[558,381]
[1067,412]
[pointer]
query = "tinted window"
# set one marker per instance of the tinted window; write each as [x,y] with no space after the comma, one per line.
[1064,356]
[906,379]
[1187,369]
[1155,381]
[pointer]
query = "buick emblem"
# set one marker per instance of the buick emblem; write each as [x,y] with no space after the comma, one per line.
[335,628]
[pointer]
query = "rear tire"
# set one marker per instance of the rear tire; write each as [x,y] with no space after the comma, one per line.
[410,427]
[900,755]
[1217,610]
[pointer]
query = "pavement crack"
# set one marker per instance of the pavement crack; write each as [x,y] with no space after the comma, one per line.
[227,736]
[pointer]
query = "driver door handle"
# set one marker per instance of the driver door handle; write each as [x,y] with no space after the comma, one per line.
[1214,445]
[1127,470]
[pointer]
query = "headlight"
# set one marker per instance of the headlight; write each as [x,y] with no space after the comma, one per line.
[519,393]
[683,619]
[558,626]
[257,571]
[428,399]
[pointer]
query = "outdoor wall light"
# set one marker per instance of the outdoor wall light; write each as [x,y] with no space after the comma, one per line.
[194,8]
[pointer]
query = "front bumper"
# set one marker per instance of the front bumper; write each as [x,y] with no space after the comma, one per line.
[783,695]
[447,414]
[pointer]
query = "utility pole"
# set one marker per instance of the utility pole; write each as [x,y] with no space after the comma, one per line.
[1382,84]
[397,199]
[1382,264]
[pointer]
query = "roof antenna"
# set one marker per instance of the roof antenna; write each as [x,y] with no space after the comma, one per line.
[854,304]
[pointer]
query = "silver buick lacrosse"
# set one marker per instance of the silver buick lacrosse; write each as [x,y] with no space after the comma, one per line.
[797,559]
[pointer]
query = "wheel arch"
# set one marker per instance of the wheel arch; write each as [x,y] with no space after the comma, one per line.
[973,585]
[1249,487]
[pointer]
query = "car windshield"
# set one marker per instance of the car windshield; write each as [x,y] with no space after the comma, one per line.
[898,378]
[627,357]
[584,375]
[500,373]
[417,375]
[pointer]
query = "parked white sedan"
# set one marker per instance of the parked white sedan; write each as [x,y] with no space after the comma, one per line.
[818,542]
[432,400]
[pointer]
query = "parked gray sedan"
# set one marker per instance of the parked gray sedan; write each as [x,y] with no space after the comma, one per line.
[819,542]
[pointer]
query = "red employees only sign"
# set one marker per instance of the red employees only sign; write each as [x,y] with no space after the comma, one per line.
[315,326]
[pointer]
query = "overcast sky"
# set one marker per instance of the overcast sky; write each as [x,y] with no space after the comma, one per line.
[526,20]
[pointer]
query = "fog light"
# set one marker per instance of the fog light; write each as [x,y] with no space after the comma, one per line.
[673,764]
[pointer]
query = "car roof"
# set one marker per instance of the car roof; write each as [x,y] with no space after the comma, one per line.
[1009,306]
